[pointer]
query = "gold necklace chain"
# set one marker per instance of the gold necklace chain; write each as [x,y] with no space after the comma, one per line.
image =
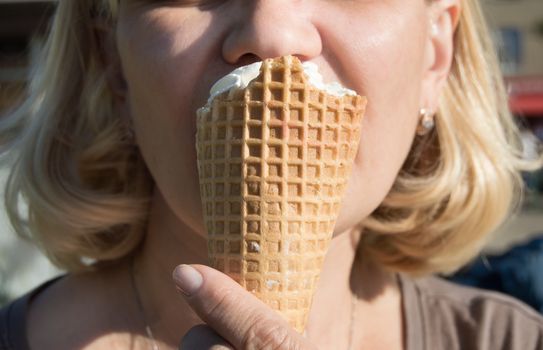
[351,322]
[148,330]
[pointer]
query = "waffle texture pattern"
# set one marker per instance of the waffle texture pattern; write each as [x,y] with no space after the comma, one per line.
[274,160]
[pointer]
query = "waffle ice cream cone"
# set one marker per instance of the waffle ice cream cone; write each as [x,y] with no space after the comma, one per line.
[274,159]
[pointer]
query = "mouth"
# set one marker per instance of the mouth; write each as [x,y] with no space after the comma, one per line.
[239,79]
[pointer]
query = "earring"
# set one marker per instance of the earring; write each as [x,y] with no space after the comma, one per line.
[426,122]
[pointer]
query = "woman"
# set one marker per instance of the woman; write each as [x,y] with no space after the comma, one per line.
[104,154]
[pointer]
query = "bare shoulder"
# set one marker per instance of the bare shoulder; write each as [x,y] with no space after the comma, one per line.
[83,311]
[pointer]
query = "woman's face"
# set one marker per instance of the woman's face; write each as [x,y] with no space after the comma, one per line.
[171,52]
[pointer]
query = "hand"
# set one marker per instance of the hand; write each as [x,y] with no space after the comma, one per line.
[235,318]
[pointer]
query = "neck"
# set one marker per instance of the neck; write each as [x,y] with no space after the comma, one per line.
[170,241]
[351,293]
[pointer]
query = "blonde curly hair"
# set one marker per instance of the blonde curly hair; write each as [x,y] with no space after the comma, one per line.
[87,188]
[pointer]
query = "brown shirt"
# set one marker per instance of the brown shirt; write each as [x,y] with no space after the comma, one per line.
[442,315]
[438,315]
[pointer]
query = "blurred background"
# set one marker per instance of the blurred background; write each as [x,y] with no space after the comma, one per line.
[517,27]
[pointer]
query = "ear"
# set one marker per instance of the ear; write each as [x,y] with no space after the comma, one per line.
[443,20]
[109,59]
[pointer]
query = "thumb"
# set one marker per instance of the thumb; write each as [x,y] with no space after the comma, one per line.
[234,313]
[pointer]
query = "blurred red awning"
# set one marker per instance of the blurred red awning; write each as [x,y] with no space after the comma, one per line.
[525,95]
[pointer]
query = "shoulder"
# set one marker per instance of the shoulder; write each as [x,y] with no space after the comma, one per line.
[78,311]
[476,318]
[9,327]
[13,319]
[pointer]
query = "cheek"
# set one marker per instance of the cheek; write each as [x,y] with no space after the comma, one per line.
[381,59]
[388,57]
[160,51]
[161,76]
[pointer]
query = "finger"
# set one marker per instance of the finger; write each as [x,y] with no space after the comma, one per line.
[235,314]
[202,337]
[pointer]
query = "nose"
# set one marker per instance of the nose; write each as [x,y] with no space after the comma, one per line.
[271,28]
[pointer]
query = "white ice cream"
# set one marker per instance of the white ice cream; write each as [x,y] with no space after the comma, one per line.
[254,247]
[311,71]
[239,78]
[271,283]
